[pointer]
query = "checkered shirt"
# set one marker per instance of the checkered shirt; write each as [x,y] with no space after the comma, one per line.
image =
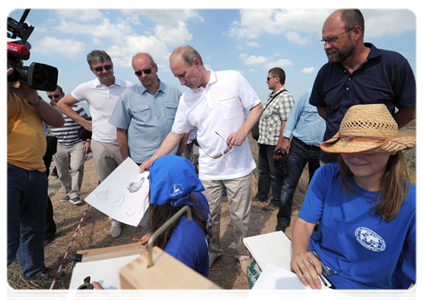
[272,117]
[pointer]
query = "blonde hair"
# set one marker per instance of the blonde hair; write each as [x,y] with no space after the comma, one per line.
[393,188]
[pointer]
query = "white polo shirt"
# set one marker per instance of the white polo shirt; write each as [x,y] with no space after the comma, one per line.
[220,107]
[101,101]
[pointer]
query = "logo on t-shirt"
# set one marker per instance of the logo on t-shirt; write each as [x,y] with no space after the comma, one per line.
[176,190]
[370,239]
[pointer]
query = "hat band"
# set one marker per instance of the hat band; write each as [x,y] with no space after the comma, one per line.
[363,138]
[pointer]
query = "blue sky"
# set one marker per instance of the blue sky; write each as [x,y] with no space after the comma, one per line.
[248,40]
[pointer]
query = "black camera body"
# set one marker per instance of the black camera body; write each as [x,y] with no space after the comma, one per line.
[38,76]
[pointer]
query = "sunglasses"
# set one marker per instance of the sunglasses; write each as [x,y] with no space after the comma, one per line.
[106,68]
[145,71]
[53,96]
[219,155]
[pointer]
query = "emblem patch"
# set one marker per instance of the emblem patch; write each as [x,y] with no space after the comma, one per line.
[370,239]
[176,190]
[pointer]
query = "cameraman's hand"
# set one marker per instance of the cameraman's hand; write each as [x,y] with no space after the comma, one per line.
[23,90]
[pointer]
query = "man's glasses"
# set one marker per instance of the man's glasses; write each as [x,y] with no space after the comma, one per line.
[106,68]
[268,78]
[216,156]
[145,71]
[55,96]
[334,39]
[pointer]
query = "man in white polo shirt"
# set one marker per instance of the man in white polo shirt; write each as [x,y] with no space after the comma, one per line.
[215,105]
[101,95]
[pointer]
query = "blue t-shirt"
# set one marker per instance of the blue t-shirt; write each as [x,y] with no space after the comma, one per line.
[364,250]
[147,117]
[189,244]
[385,77]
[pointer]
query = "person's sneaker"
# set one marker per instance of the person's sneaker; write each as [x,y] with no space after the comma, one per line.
[54,173]
[65,199]
[213,257]
[257,199]
[116,229]
[45,274]
[244,261]
[270,207]
[76,201]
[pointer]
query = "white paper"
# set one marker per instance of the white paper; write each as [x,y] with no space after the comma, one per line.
[123,195]
[274,278]
[274,248]
[105,272]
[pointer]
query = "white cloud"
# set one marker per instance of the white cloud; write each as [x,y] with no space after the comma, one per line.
[296,38]
[170,17]
[123,52]
[251,60]
[83,15]
[253,44]
[309,70]
[263,62]
[302,25]
[173,35]
[279,63]
[254,23]
[67,47]
[105,29]
[379,23]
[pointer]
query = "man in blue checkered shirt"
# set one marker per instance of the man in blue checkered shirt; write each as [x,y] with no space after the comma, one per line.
[272,122]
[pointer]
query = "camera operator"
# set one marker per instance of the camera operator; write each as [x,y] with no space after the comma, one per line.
[26,176]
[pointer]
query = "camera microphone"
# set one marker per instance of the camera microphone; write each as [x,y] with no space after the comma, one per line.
[18,50]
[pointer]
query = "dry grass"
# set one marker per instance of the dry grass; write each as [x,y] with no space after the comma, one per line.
[94,232]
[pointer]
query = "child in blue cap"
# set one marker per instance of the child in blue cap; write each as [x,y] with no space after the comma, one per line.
[174,184]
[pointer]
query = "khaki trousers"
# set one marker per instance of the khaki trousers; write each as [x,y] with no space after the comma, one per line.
[70,167]
[239,198]
[107,157]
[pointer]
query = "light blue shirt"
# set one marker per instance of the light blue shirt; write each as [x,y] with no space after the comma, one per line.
[147,117]
[305,123]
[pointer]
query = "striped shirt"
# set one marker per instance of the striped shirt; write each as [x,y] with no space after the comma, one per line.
[273,116]
[67,135]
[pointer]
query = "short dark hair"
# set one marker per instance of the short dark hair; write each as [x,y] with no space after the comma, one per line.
[58,87]
[97,55]
[280,73]
[188,54]
[352,18]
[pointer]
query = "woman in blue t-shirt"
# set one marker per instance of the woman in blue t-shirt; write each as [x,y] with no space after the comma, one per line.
[365,206]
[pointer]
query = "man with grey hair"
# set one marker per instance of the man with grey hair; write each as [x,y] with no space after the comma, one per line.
[359,73]
[101,95]
[145,112]
[215,104]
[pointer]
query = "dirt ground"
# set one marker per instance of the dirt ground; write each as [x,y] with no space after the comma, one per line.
[94,233]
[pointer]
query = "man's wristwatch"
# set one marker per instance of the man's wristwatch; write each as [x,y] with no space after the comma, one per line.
[38,103]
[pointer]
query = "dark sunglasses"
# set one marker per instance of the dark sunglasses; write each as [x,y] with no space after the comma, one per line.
[145,71]
[106,67]
[53,96]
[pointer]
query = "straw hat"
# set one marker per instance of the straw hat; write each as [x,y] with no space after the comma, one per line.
[368,127]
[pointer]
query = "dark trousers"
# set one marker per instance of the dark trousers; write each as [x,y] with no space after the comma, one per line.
[269,175]
[26,218]
[299,155]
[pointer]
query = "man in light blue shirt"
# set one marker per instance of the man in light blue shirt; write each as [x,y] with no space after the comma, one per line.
[306,128]
[145,112]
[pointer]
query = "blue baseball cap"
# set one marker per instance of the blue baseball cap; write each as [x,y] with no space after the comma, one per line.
[172,180]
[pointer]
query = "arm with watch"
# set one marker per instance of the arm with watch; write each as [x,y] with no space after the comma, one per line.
[48,113]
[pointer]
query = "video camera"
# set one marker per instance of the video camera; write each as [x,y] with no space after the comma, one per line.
[38,76]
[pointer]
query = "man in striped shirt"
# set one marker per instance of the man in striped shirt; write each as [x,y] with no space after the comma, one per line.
[71,151]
